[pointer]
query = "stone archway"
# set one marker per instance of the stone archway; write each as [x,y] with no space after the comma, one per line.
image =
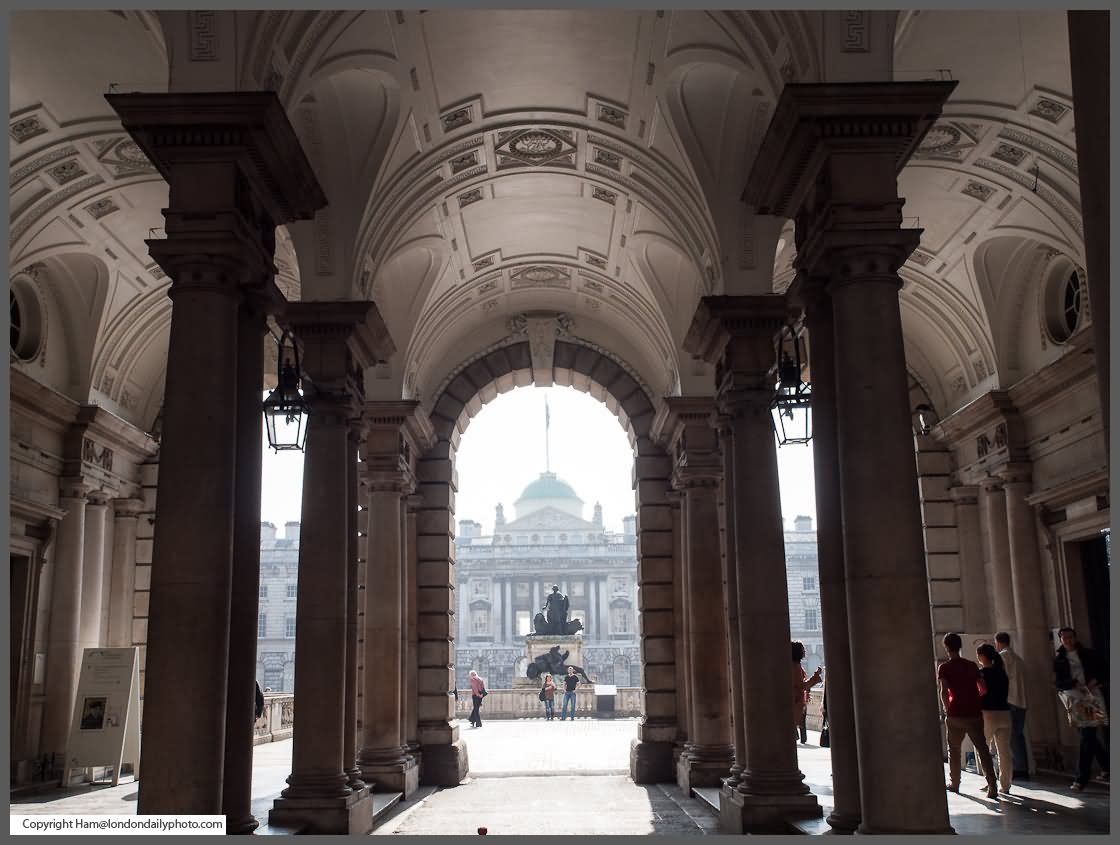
[570,363]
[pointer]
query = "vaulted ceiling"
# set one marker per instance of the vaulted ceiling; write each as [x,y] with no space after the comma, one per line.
[485,164]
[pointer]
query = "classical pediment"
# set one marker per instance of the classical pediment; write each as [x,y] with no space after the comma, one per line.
[549,519]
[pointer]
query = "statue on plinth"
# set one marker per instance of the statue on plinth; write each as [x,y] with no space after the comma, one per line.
[553,663]
[553,618]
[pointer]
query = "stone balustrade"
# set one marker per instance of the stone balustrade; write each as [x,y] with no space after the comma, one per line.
[523,703]
[276,721]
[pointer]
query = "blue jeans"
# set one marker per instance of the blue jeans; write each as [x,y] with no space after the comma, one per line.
[568,697]
[1018,742]
[548,707]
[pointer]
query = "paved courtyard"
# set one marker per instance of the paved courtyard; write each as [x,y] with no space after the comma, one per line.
[530,775]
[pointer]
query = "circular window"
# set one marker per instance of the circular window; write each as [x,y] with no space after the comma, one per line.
[26,333]
[1063,305]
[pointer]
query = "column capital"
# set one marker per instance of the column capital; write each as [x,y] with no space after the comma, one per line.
[247,128]
[965,494]
[684,425]
[1015,473]
[813,122]
[74,488]
[99,498]
[991,484]
[389,481]
[750,321]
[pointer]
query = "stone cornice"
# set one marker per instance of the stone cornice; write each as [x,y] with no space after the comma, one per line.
[249,127]
[977,416]
[813,119]
[48,407]
[1049,383]
[34,512]
[117,433]
[407,415]
[1094,483]
[678,411]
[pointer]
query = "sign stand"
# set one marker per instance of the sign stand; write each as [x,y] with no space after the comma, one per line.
[105,730]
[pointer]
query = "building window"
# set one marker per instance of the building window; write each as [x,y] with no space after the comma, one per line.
[618,585]
[622,670]
[263,592]
[812,623]
[480,622]
[291,591]
[290,627]
[620,620]
[524,624]
[523,589]
[262,626]
[577,588]
[809,583]
[479,587]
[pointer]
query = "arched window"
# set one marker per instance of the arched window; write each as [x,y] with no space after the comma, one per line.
[622,670]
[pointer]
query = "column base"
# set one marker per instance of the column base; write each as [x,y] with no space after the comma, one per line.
[354,778]
[241,826]
[843,823]
[397,773]
[739,813]
[700,767]
[352,814]
[651,762]
[444,765]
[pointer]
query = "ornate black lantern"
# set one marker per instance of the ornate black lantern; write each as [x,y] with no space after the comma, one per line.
[285,411]
[791,407]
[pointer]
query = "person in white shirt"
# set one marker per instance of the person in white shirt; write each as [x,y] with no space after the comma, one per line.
[1017,700]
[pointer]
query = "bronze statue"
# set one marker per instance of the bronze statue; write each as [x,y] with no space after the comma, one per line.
[553,663]
[556,611]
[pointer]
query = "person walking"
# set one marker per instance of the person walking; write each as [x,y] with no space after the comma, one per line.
[995,711]
[801,686]
[571,683]
[959,685]
[1081,668]
[548,696]
[1017,703]
[478,692]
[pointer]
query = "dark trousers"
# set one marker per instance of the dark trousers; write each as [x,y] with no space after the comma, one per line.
[476,710]
[801,729]
[1019,760]
[1090,748]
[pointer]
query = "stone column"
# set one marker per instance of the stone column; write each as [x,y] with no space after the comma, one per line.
[974,584]
[830,159]
[510,615]
[123,581]
[1089,53]
[354,595]
[845,816]
[737,334]
[731,604]
[235,171]
[680,614]
[411,656]
[999,555]
[536,597]
[604,610]
[685,423]
[93,569]
[64,652]
[659,641]
[237,782]
[1032,637]
[389,476]
[339,339]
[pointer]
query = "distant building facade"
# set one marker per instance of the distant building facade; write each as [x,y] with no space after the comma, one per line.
[804,589]
[276,615]
[502,579]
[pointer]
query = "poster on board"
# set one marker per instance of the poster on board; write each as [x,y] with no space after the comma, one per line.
[105,730]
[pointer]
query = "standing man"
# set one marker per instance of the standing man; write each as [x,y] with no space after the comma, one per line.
[556,611]
[960,686]
[1076,666]
[1017,701]
[571,682]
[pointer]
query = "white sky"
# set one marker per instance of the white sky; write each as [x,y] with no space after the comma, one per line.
[503,450]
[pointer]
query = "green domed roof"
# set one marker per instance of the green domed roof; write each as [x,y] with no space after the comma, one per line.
[548,486]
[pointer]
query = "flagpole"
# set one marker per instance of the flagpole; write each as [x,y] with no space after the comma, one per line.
[547,463]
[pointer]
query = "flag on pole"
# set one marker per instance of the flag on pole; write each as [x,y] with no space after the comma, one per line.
[547,461]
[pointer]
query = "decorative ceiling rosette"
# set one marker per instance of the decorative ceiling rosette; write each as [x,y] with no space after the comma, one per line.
[536,147]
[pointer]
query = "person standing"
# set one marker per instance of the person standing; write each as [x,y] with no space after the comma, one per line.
[1017,703]
[571,683]
[548,696]
[801,687]
[1076,666]
[959,685]
[996,711]
[478,691]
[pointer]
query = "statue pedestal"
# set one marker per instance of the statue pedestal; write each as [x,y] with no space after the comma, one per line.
[538,644]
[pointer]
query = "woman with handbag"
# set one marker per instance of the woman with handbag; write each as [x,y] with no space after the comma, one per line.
[1081,677]
[478,692]
[548,695]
